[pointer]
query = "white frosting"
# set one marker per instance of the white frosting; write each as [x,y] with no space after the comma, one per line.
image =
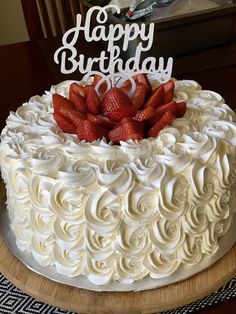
[121,212]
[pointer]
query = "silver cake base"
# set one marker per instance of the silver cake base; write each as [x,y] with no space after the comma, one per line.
[183,272]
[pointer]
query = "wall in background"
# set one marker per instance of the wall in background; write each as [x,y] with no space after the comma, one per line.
[12,23]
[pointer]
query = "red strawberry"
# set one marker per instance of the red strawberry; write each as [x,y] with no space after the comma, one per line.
[145,114]
[168,91]
[156,99]
[126,83]
[60,101]
[139,96]
[126,131]
[126,88]
[142,78]
[64,124]
[92,100]
[102,87]
[114,99]
[90,131]
[102,121]
[166,119]
[139,124]
[180,109]
[72,115]
[125,120]
[122,112]
[133,131]
[171,106]
[150,122]
[117,134]
[78,89]
[78,101]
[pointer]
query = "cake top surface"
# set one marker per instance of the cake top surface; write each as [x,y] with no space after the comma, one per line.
[208,123]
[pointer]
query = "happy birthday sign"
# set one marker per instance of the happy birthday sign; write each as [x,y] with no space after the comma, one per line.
[113,69]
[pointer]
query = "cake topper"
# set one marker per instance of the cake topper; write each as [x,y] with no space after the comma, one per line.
[112,68]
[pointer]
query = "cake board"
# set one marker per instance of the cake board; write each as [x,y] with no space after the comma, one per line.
[86,301]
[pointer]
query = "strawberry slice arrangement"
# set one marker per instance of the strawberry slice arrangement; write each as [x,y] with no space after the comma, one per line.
[116,116]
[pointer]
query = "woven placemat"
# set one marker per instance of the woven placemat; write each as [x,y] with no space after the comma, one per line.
[14,301]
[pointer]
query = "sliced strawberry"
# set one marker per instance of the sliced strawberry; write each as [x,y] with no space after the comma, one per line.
[150,122]
[79,102]
[180,109]
[139,96]
[138,124]
[166,119]
[133,132]
[122,112]
[171,106]
[90,131]
[64,124]
[78,89]
[126,83]
[92,100]
[156,99]
[126,131]
[142,78]
[114,99]
[125,120]
[168,91]
[126,88]
[102,121]
[117,134]
[102,87]
[72,115]
[145,114]
[60,101]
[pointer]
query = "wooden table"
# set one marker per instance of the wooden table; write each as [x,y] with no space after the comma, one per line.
[27,69]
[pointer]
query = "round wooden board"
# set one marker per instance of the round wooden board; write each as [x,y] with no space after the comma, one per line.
[85,301]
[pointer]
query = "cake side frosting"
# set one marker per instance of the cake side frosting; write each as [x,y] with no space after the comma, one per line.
[121,212]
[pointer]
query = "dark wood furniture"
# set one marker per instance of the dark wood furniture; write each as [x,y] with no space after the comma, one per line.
[45,18]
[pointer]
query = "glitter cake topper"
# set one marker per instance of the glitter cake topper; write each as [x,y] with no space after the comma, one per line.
[116,71]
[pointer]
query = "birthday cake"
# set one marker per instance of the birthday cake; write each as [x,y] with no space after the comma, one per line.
[125,175]
[142,205]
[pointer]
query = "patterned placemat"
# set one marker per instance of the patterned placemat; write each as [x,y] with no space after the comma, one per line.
[14,301]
